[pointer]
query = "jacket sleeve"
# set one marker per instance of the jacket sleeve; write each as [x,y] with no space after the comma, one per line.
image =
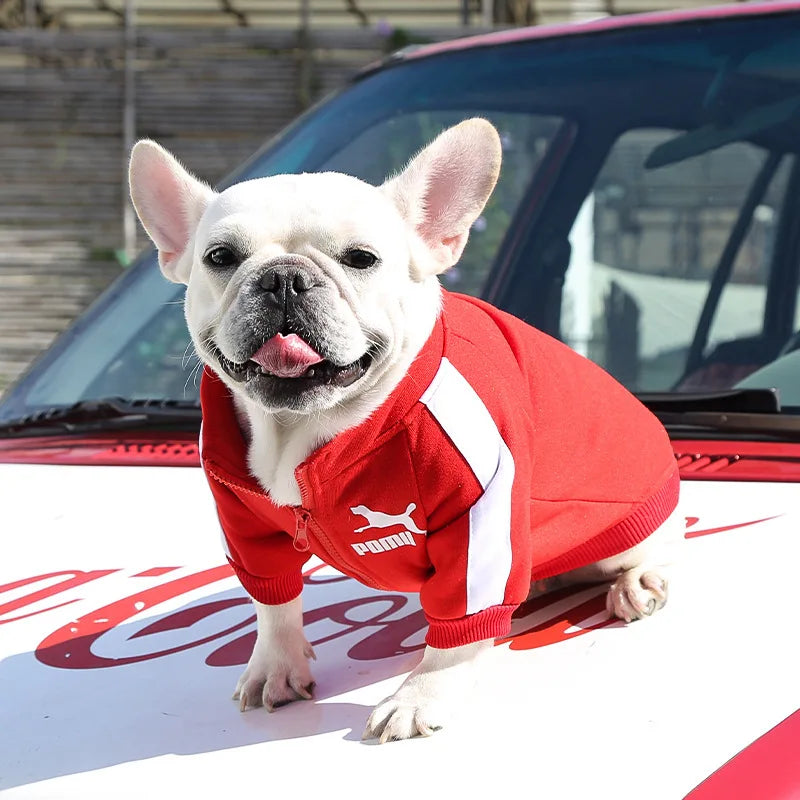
[260,552]
[477,502]
[481,566]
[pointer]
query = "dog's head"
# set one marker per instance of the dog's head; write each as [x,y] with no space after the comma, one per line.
[303,290]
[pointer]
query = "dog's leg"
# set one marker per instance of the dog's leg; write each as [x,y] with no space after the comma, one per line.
[278,670]
[429,695]
[639,575]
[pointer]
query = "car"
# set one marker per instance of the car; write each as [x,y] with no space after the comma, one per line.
[647,214]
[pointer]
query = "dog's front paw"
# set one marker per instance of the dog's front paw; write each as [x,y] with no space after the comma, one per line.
[429,695]
[403,716]
[276,674]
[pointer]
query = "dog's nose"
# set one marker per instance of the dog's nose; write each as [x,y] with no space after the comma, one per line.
[286,283]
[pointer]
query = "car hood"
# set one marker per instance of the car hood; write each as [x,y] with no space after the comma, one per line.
[124,632]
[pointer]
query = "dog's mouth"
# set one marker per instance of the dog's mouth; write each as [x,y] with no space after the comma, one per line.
[290,362]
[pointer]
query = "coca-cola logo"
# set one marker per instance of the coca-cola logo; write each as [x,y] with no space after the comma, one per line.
[373,625]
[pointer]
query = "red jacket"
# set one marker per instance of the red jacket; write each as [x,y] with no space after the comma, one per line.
[502,457]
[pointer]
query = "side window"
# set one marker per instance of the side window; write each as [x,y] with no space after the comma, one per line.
[386,147]
[645,248]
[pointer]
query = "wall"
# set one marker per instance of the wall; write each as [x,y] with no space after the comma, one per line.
[211,96]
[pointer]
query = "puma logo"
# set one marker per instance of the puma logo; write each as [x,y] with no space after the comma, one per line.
[379,519]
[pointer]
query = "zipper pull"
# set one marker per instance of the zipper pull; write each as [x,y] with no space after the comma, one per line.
[301,542]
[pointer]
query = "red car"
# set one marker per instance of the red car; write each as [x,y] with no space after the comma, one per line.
[648,214]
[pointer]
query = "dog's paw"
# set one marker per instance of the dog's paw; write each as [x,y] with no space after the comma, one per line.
[635,595]
[403,716]
[435,689]
[276,675]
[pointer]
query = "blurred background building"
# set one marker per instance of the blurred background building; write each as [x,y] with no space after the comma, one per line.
[81,80]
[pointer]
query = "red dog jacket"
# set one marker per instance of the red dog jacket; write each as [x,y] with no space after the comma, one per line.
[501,458]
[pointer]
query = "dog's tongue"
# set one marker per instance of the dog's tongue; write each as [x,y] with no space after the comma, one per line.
[286,356]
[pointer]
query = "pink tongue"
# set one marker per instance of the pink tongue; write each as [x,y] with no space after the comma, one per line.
[286,356]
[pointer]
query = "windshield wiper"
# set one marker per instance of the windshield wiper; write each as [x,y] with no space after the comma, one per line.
[752,401]
[738,410]
[111,413]
[744,411]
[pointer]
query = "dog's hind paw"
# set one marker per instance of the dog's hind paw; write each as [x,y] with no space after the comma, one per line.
[635,595]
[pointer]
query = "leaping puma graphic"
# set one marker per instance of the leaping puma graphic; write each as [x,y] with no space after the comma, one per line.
[379,519]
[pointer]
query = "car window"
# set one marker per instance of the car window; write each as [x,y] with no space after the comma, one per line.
[645,249]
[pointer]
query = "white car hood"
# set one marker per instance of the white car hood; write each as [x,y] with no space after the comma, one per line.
[120,684]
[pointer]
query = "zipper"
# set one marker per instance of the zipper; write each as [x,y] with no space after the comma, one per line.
[232,484]
[329,552]
[303,522]
[301,517]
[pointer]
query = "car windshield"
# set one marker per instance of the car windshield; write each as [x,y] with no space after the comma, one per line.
[646,212]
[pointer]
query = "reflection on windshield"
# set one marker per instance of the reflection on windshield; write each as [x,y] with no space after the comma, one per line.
[654,244]
[136,347]
[676,188]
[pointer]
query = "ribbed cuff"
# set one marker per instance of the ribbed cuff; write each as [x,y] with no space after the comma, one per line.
[492,623]
[270,591]
[627,533]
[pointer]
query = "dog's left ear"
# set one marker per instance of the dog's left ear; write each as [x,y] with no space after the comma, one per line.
[445,187]
[169,201]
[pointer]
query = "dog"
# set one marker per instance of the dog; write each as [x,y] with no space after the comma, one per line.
[340,377]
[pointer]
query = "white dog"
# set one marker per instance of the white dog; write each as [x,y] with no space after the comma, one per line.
[340,378]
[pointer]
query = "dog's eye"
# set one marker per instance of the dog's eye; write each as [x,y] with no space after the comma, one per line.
[220,258]
[358,259]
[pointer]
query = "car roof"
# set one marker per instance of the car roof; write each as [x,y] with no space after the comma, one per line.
[601,25]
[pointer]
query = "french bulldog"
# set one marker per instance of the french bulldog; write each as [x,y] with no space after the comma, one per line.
[314,302]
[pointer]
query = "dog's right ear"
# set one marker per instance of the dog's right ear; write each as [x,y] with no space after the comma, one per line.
[169,202]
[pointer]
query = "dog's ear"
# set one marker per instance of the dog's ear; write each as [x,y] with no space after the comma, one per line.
[169,202]
[445,187]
